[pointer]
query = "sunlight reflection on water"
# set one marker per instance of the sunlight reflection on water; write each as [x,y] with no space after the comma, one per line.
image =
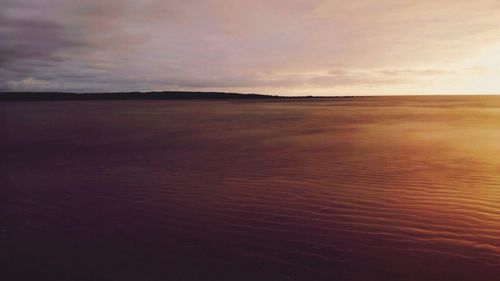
[387,188]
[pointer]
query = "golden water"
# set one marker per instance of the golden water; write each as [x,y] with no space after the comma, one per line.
[386,188]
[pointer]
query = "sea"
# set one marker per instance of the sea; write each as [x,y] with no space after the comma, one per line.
[358,189]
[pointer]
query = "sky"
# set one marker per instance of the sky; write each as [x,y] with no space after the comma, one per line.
[281,47]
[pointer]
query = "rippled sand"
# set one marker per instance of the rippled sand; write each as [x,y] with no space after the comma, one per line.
[386,188]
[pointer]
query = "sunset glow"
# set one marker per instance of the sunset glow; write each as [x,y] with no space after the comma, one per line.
[250,140]
[285,47]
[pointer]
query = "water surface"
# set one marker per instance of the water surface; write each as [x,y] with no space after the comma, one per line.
[386,188]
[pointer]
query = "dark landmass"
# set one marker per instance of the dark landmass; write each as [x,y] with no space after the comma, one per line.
[50,96]
[166,95]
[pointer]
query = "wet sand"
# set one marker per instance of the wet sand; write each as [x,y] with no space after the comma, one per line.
[385,188]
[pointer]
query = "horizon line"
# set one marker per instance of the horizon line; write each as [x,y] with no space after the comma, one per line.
[246,93]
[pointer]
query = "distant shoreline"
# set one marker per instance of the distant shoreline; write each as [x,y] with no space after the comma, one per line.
[166,95]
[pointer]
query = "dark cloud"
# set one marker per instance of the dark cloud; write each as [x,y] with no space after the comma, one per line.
[32,39]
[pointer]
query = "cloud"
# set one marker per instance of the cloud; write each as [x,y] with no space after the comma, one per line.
[32,39]
[281,46]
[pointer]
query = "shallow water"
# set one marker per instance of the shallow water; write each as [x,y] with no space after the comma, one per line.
[386,188]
